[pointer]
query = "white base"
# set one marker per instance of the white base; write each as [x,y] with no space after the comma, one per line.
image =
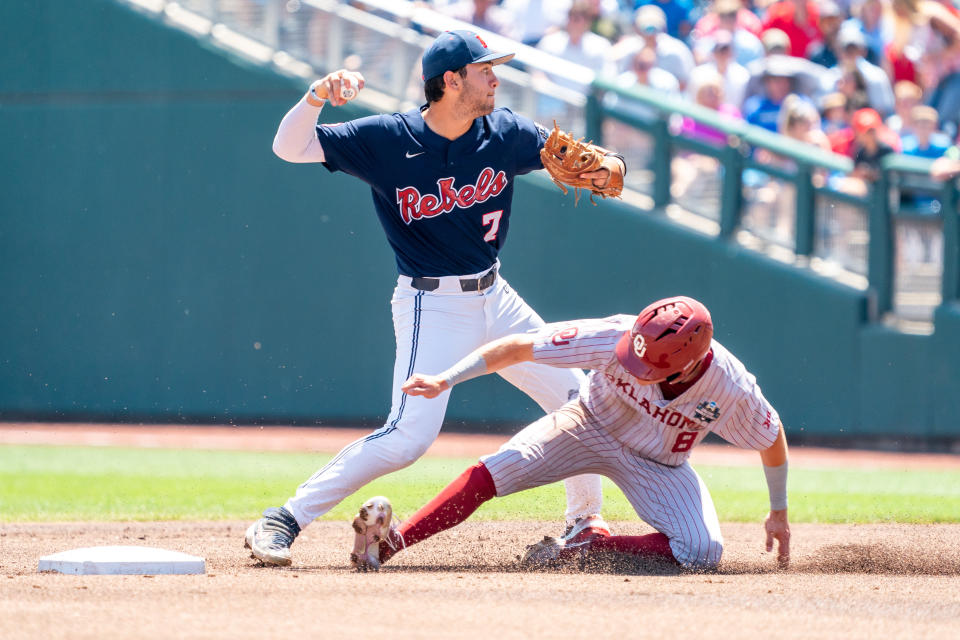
[122,561]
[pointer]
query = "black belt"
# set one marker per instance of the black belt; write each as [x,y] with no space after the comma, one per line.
[466,284]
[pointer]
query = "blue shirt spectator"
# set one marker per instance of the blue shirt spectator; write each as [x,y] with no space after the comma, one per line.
[925,141]
[763,109]
[935,148]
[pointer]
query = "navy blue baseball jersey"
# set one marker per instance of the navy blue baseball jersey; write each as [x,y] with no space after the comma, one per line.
[444,204]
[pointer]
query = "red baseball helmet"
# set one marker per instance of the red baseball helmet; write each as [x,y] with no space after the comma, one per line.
[669,337]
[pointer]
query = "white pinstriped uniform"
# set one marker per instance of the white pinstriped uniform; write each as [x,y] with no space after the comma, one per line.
[633,435]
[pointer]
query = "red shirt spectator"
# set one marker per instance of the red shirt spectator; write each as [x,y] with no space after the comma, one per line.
[841,141]
[799,25]
[863,120]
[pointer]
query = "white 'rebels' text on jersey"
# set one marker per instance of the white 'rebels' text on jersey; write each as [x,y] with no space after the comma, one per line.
[725,400]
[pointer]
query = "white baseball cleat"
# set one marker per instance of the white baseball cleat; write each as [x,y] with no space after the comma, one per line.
[586,528]
[373,524]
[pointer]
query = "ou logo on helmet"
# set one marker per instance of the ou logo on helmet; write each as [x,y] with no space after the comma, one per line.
[639,345]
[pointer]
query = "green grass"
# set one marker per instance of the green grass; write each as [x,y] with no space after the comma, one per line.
[49,484]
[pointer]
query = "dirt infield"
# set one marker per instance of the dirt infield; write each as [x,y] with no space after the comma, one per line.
[868,581]
[853,582]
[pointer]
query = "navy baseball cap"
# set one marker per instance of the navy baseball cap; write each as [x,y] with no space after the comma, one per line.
[454,49]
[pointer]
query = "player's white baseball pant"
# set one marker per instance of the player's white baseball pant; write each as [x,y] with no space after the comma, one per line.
[673,500]
[434,330]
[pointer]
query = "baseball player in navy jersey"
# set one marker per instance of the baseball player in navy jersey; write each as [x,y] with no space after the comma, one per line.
[658,384]
[441,178]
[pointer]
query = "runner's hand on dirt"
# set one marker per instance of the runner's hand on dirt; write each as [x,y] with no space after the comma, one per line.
[778,529]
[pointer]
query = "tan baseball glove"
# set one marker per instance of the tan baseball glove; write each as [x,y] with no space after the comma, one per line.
[565,159]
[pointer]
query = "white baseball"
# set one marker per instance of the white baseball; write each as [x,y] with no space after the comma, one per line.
[348,93]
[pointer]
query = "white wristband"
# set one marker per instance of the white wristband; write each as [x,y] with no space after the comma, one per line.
[473,366]
[777,486]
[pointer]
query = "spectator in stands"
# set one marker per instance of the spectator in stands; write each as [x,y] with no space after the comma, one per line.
[825,51]
[742,18]
[608,19]
[532,19]
[800,121]
[650,25]
[839,129]
[852,85]
[697,176]
[798,19]
[577,44]
[906,95]
[853,47]
[833,113]
[721,61]
[868,20]
[746,45]
[870,143]
[906,41]
[938,70]
[708,92]
[925,141]
[644,72]
[775,42]
[485,14]
[763,110]
[638,145]
[925,42]
[869,147]
[678,13]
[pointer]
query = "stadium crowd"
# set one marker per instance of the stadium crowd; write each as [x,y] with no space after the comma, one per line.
[863,78]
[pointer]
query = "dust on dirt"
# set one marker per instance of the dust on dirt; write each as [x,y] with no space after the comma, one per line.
[863,581]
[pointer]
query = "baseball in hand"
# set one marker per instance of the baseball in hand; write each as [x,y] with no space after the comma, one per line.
[348,93]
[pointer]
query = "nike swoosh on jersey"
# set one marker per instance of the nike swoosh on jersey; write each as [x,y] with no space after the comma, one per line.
[414,155]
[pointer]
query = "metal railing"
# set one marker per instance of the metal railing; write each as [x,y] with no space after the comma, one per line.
[898,239]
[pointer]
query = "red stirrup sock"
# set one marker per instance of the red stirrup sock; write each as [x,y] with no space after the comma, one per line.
[449,508]
[652,545]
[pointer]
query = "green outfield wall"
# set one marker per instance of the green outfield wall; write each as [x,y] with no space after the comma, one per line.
[158,262]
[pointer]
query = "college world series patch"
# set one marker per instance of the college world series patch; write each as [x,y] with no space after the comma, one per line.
[707,411]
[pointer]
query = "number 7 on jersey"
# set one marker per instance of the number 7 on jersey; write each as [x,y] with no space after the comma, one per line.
[492,219]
